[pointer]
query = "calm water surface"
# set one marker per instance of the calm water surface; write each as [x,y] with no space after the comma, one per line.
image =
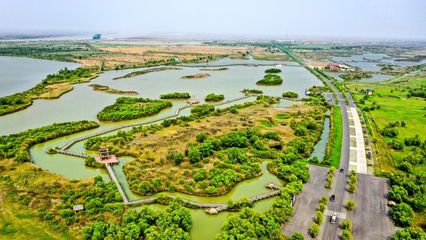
[19,74]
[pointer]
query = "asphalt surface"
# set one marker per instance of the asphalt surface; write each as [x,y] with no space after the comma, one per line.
[306,202]
[370,218]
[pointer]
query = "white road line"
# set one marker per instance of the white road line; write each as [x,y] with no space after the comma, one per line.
[338,214]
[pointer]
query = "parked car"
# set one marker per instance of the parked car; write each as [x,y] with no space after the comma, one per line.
[333,219]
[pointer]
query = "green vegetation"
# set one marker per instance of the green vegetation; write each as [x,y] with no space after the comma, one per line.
[211,164]
[402,215]
[350,205]
[102,88]
[146,71]
[290,94]
[409,233]
[214,69]
[319,217]
[347,224]
[196,76]
[314,230]
[251,91]
[175,95]
[57,50]
[330,177]
[270,79]
[17,145]
[214,97]
[353,182]
[355,75]
[249,224]
[396,123]
[45,89]
[272,71]
[334,144]
[91,162]
[126,108]
[173,223]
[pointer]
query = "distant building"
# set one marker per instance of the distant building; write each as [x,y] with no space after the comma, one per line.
[317,65]
[332,66]
[97,36]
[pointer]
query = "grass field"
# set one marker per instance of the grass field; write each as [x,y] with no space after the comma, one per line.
[387,108]
[395,106]
[18,223]
[337,147]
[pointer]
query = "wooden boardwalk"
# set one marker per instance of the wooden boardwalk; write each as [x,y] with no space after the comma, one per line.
[117,183]
[71,143]
[211,208]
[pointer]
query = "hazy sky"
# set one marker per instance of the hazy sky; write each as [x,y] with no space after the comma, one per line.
[404,19]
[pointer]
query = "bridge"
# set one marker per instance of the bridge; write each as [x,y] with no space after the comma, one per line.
[239,64]
[71,143]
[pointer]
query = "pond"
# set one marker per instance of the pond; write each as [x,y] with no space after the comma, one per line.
[19,73]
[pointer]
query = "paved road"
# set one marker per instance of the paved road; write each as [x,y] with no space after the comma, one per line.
[370,218]
[306,202]
[331,231]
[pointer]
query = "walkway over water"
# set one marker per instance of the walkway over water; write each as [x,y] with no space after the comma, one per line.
[211,208]
[240,64]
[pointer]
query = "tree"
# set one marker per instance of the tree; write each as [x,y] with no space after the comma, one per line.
[402,214]
[347,224]
[314,230]
[410,233]
[318,217]
[398,193]
[297,236]
[346,235]
[350,205]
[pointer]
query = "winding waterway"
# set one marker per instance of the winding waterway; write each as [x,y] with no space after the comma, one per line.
[83,104]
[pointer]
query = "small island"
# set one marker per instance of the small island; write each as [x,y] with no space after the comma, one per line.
[175,95]
[126,108]
[290,94]
[196,76]
[270,79]
[142,72]
[251,91]
[272,71]
[214,97]
[102,88]
[214,69]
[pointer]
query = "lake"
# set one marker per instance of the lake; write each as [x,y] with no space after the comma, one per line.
[19,74]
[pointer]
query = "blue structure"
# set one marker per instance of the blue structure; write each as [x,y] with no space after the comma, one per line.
[97,36]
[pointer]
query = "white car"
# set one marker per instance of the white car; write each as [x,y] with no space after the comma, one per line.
[333,219]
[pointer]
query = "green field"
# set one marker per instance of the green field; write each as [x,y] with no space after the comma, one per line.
[337,146]
[396,122]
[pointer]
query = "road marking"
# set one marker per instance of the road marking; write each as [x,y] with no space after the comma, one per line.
[338,214]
